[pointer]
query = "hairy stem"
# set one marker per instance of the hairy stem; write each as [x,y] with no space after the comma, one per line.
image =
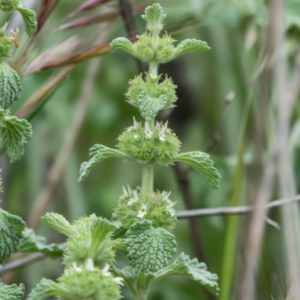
[147,181]
[141,297]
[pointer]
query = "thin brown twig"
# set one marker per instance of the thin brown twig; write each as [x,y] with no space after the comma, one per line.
[239,210]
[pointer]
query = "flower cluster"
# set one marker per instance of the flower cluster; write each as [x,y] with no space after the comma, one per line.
[157,208]
[146,144]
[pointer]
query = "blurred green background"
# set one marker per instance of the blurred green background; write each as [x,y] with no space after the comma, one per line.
[236,31]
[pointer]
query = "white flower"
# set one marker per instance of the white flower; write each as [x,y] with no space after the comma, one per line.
[135,123]
[165,196]
[162,132]
[119,280]
[148,132]
[76,268]
[170,208]
[125,192]
[136,136]
[90,265]
[142,212]
[105,270]
[134,199]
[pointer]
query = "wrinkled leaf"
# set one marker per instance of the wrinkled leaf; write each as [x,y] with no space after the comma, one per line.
[45,288]
[11,292]
[191,46]
[98,153]
[29,19]
[11,228]
[35,243]
[154,17]
[149,248]
[201,162]
[14,134]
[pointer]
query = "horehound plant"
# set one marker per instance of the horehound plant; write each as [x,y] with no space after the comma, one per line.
[143,219]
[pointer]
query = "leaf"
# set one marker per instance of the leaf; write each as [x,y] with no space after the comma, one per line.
[191,45]
[91,240]
[10,86]
[124,44]
[29,19]
[98,153]
[58,223]
[149,248]
[44,289]
[154,17]
[11,292]
[35,243]
[196,271]
[15,133]
[150,107]
[201,162]
[11,228]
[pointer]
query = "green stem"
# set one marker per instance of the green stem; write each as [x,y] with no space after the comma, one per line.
[147,181]
[141,297]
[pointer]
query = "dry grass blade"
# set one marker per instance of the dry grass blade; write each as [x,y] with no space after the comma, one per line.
[88,5]
[47,7]
[96,19]
[46,89]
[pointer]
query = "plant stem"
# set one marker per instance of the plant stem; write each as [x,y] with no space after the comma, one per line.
[147,181]
[141,297]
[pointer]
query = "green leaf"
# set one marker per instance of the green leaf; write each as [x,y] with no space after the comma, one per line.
[10,86]
[29,19]
[11,292]
[58,223]
[191,45]
[35,243]
[196,271]
[149,248]
[11,228]
[44,289]
[15,133]
[124,44]
[201,162]
[150,107]
[98,153]
[91,240]
[154,17]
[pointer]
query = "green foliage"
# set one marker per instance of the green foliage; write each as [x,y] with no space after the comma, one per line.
[152,48]
[153,88]
[149,248]
[159,209]
[10,86]
[14,134]
[98,153]
[35,243]
[196,271]
[154,17]
[58,223]
[146,144]
[79,284]
[29,19]
[9,5]
[11,228]
[11,292]
[201,162]
[6,45]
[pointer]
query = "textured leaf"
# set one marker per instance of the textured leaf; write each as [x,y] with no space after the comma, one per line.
[201,162]
[11,292]
[15,133]
[149,248]
[58,223]
[29,19]
[154,17]
[44,289]
[10,86]
[124,44]
[196,271]
[150,107]
[11,228]
[190,46]
[98,153]
[91,240]
[34,243]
